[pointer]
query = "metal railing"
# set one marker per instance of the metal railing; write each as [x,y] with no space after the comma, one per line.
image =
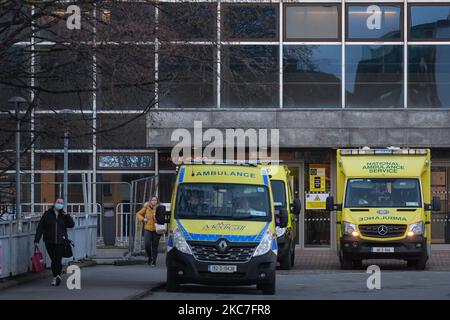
[17,242]
[123,216]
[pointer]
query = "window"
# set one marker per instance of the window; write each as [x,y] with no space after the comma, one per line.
[187,21]
[55,161]
[64,77]
[126,161]
[429,22]
[383,193]
[187,76]
[125,21]
[312,22]
[14,75]
[429,76]
[374,22]
[222,202]
[53,22]
[250,22]
[125,77]
[312,76]
[250,76]
[374,76]
[15,21]
[50,129]
[279,193]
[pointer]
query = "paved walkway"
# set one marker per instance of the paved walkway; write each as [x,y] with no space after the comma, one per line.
[327,260]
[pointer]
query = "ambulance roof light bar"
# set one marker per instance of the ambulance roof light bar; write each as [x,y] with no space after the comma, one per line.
[389,150]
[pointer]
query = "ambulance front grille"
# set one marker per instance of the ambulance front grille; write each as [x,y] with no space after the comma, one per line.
[382,230]
[234,253]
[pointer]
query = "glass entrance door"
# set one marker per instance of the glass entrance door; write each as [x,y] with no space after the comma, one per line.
[440,221]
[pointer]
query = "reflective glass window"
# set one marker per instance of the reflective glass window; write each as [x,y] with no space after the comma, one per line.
[374,22]
[309,22]
[187,76]
[429,22]
[250,22]
[64,77]
[125,21]
[374,76]
[312,76]
[187,21]
[125,77]
[250,76]
[429,76]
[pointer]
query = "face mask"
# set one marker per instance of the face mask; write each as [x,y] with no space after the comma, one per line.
[59,206]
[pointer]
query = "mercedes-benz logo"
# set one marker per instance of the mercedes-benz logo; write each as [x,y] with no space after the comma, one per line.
[222,245]
[382,230]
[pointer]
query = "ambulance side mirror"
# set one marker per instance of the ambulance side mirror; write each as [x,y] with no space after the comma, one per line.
[283,217]
[296,206]
[436,204]
[330,204]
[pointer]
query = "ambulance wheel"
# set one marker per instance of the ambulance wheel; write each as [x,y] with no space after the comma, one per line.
[346,263]
[286,263]
[267,288]
[419,264]
[172,284]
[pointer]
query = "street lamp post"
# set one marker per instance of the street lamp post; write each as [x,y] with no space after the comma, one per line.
[66,112]
[17,101]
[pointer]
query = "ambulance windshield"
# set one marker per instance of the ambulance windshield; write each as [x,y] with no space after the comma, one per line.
[377,193]
[222,201]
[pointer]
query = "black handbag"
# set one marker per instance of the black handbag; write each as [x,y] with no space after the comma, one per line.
[67,251]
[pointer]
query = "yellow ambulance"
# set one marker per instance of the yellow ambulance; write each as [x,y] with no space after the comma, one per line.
[222,227]
[281,182]
[383,205]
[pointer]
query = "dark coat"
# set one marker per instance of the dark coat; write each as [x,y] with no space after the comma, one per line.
[54,229]
[160,214]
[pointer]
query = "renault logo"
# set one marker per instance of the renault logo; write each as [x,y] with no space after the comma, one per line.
[222,245]
[382,230]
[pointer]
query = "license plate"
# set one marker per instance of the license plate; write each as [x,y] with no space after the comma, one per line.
[222,268]
[383,250]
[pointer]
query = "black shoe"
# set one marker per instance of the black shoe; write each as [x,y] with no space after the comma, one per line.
[153,264]
[149,262]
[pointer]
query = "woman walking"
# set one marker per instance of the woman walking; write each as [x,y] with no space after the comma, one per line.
[152,212]
[53,225]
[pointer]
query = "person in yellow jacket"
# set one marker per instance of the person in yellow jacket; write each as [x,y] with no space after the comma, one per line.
[151,213]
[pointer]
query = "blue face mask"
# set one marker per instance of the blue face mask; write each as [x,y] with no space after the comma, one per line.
[59,206]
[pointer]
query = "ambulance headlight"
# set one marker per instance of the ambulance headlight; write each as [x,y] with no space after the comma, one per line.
[267,243]
[349,228]
[416,228]
[280,232]
[177,240]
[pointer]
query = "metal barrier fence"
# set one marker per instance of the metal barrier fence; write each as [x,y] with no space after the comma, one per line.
[17,243]
[123,215]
